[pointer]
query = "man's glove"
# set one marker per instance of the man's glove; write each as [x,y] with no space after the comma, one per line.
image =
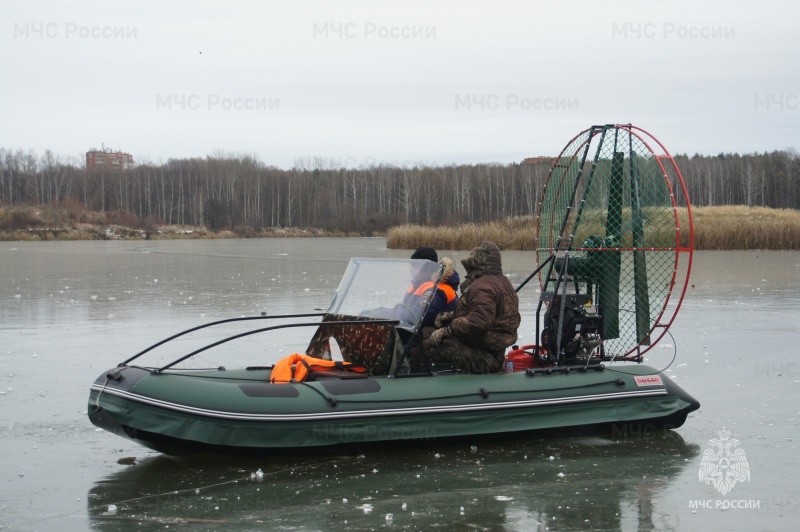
[438,335]
[443,318]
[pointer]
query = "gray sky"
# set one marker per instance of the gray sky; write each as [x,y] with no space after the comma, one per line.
[363,82]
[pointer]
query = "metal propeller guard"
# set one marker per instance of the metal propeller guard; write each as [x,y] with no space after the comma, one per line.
[614,242]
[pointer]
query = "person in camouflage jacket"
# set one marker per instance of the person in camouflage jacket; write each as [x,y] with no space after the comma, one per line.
[475,336]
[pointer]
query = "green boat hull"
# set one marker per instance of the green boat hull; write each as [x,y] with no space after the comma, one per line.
[237,411]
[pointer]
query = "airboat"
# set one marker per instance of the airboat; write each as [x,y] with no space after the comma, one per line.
[613,256]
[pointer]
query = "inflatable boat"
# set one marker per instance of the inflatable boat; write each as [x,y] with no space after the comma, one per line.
[611,281]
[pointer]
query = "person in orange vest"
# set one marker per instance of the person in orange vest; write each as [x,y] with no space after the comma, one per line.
[421,294]
[445,298]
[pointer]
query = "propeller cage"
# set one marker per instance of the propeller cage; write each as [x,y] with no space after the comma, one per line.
[614,242]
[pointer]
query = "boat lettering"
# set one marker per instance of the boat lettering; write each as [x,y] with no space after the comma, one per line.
[648,380]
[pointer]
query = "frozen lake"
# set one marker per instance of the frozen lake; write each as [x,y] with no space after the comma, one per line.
[71,310]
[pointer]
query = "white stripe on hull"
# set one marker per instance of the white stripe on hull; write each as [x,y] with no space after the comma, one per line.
[333,414]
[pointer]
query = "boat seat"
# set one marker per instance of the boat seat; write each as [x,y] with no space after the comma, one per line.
[375,346]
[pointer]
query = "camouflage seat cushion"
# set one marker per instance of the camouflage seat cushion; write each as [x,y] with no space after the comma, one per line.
[375,346]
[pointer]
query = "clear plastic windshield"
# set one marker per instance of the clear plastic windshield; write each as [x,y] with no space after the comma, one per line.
[395,289]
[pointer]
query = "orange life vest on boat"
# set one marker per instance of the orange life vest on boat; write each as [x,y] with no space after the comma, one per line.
[296,368]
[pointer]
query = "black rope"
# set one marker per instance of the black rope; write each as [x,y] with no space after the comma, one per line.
[213,377]
[662,370]
[482,393]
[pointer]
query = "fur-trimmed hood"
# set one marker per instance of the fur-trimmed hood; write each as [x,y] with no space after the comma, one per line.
[450,275]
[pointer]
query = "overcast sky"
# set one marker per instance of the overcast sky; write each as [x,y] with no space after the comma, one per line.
[364,82]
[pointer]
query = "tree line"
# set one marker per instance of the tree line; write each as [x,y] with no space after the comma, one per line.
[229,190]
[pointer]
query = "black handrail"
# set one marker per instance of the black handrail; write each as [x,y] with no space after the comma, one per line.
[284,326]
[229,320]
[537,270]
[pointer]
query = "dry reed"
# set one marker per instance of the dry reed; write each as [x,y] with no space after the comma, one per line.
[741,227]
[716,228]
[510,233]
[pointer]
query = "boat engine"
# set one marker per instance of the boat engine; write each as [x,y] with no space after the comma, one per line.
[572,330]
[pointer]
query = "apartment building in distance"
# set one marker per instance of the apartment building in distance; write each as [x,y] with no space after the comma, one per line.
[108,158]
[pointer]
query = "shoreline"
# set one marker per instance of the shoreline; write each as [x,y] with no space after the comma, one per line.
[116,232]
[716,228]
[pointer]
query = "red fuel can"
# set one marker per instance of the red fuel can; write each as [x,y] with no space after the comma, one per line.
[522,358]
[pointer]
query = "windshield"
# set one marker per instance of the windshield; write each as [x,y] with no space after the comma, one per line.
[396,289]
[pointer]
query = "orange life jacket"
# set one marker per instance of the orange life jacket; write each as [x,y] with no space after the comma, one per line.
[448,291]
[446,288]
[296,368]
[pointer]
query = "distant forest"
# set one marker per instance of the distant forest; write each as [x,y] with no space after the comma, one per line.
[230,190]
